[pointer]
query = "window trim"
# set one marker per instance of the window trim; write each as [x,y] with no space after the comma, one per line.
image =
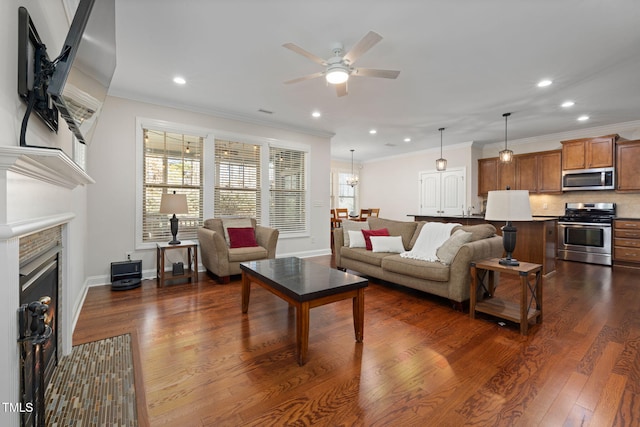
[166,126]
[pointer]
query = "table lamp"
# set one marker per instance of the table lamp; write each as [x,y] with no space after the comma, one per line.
[174,204]
[508,205]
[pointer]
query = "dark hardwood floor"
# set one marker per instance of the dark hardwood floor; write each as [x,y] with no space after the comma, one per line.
[421,363]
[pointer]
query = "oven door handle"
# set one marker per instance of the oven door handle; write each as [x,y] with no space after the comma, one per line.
[585,224]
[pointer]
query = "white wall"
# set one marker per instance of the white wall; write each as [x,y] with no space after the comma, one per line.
[111,200]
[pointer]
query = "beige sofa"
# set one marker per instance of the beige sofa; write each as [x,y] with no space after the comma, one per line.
[448,281]
[221,260]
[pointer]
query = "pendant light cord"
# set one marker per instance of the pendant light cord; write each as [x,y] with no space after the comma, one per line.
[441,129]
[505,115]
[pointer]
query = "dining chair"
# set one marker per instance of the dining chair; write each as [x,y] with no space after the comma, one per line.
[374,212]
[364,214]
[335,223]
[342,214]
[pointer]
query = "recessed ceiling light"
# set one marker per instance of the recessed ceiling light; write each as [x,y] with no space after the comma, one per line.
[567,104]
[407,140]
[544,83]
[179,80]
[316,114]
[373,131]
[583,118]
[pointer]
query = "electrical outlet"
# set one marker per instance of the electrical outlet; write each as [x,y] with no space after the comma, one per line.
[544,206]
[128,255]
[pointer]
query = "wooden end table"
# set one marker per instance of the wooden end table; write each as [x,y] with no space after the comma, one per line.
[190,270]
[305,285]
[530,305]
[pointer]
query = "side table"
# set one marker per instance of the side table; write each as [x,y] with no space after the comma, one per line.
[530,306]
[191,270]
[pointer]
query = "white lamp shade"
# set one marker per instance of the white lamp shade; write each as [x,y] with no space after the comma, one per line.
[508,205]
[174,204]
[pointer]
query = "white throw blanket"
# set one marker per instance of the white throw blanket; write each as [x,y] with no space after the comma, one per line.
[431,237]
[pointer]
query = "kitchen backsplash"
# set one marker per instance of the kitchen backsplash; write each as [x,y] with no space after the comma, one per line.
[627,205]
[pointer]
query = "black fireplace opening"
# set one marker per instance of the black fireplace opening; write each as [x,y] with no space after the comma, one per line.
[38,332]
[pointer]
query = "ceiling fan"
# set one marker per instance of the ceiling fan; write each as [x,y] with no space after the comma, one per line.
[340,67]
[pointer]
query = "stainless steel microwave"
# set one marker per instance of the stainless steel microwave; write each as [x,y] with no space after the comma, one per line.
[588,179]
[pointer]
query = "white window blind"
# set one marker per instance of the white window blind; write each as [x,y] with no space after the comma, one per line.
[172,162]
[237,186]
[288,188]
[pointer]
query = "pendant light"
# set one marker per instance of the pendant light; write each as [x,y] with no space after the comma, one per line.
[506,155]
[441,163]
[353,179]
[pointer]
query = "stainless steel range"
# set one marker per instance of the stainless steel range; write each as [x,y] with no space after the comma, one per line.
[584,232]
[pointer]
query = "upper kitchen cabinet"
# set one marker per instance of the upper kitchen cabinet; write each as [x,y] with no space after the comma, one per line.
[627,165]
[588,153]
[539,172]
[487,175]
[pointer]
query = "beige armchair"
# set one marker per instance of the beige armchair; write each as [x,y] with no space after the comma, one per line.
[223,261]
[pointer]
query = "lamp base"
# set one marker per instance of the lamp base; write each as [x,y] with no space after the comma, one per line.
[512,262]
[174,242]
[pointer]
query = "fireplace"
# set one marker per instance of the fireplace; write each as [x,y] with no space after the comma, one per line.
[38,320]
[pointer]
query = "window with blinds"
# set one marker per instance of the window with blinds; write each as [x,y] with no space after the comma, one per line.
[346,193]
[237,186]
[288,190]
[172,162]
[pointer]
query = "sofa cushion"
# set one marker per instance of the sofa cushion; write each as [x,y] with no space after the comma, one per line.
[478,231]
[352,225]
[235,223]
[247,254]
[356,239]
[387,244]
[363,255]
[405,229]
[242,237]
[368,233]
[430,270]
[450,248]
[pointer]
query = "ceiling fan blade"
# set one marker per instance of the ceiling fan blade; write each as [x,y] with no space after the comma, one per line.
[370,72]
[341,89]
[366,43]
[307,77]
[301,51]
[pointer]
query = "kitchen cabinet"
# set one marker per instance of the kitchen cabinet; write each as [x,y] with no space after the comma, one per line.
[487,175]
[539,172]
[627,166]
[626,242]
[588,153]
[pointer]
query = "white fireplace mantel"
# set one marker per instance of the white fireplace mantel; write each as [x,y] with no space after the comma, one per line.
[48,165]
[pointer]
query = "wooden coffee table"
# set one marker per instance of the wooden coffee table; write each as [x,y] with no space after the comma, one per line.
[305,285]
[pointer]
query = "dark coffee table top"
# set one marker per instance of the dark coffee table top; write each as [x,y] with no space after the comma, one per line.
[303,280]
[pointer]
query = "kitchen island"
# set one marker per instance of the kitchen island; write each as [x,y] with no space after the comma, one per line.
[536,239]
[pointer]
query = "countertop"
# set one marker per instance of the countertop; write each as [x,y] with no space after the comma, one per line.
[479,216]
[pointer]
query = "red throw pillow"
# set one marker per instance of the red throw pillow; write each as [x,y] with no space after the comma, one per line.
[242,237]
[368,233]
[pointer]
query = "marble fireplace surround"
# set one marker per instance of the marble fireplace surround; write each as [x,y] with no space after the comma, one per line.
[35,194]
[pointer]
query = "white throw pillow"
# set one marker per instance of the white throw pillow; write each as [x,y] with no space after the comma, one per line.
[450,248]
[234,223]
[387,244]
[356,239]
[352,225]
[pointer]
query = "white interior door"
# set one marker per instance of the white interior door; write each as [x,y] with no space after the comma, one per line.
[430,193]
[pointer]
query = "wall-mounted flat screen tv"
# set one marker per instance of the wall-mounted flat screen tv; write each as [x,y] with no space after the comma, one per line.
[85,66]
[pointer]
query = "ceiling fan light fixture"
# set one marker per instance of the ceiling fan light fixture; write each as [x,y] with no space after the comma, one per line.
[337,74]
